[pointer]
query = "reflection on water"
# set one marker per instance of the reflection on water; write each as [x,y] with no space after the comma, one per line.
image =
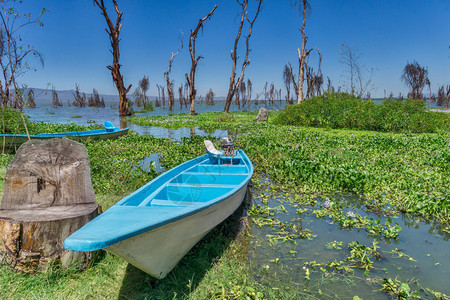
[64,115]
[425,242]
[175,134]
[90,115]
[152,158]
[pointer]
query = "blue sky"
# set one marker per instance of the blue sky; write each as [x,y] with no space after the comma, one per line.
[387,34]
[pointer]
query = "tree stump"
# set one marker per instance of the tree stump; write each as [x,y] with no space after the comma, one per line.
[47,196]
[263,115]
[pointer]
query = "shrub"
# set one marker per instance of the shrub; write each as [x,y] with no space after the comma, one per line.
[340,110]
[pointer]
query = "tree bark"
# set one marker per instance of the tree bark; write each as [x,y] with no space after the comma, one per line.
[168,82]
[47,196]
[113,32]
[233,85]
[194,60]
[302,54]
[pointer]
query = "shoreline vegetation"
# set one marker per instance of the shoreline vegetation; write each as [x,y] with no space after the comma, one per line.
[394,156]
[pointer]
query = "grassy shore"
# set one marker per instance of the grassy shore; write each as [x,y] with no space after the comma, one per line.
[392,172]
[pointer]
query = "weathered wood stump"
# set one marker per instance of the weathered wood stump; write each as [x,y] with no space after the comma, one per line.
[47,196]
[263,115]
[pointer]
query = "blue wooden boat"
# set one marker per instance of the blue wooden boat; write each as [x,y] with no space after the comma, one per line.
[13,141]
[155,226]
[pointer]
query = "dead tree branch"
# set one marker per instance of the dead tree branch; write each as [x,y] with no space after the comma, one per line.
[234,85]
[194,60]
[171,98]
[113,32]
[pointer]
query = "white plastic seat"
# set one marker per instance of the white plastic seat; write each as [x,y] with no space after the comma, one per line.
[210,148]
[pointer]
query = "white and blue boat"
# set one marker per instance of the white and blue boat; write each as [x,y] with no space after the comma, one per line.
[13,141]
[155,226]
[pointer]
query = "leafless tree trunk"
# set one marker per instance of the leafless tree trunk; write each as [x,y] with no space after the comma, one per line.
[234,86]
[249,92]
[113,32]
[144,84]
[194,60]
[304,7]
[243,90]
[30,99]
[79,99]
[169,83]
[266,94]
[157,100]
[137,97]
[429,87]
[186,94]
[448,96]
[209,98]
[271,93]
[163,97]
[314,81]
[287,79]
[359,76]
[55,99]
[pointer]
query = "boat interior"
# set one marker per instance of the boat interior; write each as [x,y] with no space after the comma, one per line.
[212,177]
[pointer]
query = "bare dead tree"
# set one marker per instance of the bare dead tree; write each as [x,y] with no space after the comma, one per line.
[271,93]
[234,85]
[330,87]
[266,94]
[314,81]
[304,9]
[194,60]
[243,92]
[209,98]
[13,53]
[157,101]
[415,77]
[95,101]
[249,92]
[181,96]
[55,100]
[79,99]
[428,82]
[169,83]
[441,96]
[163,96]
[359,77]
[448,95]
[113,32]
[289,72]
[137,96]
[30,99]
[144,84]
[287,79]
[186,94]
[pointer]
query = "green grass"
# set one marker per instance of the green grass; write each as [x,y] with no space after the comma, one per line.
[391,171]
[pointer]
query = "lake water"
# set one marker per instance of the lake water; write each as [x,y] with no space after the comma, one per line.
[426,263]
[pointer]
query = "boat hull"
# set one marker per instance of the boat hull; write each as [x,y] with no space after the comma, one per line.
[158,251]
[10,142]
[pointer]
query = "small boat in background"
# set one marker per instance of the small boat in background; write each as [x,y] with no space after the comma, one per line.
[155,226]
[13,141]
